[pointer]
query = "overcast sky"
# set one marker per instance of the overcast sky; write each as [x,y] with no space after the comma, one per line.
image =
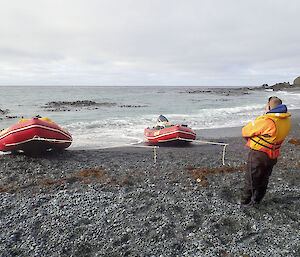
[149,42]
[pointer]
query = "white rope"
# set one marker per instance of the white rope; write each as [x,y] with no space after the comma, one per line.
[35,138]
[116,146]
[142,146]
[201,141]
[208,142]
[183,139]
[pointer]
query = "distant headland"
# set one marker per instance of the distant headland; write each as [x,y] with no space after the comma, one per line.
[283,85]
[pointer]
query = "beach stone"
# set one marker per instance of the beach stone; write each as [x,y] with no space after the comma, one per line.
[133,207]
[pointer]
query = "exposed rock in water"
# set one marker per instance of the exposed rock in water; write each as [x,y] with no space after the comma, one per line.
[198,91]
[132,106]
[265,86]
[4,112]
[61,106]
[277,86]
[282,85]
[220,91]
[13,117]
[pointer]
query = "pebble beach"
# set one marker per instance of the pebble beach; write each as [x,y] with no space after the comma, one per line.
[124,202]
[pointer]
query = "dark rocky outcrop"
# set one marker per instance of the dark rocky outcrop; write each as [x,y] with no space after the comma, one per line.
[132,106]
[282,85]
[11,117]
[265,86]
[3,115]
[220,91]
[277,86]
[61,106]
[198,91]
[4,112]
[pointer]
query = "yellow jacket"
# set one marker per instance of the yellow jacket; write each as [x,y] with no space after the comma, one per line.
[267,133]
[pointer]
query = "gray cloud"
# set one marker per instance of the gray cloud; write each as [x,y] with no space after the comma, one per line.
[140,42]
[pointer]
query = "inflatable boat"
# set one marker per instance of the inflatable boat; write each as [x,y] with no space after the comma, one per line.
[34,135]
[164,132]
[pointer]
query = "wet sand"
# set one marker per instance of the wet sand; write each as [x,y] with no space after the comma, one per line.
[118,202]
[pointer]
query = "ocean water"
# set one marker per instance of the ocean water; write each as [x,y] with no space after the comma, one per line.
[122,123]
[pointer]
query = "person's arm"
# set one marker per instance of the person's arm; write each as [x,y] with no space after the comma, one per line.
[259,127]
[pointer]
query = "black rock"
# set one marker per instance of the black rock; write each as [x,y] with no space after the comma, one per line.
[4,112]
[75,105]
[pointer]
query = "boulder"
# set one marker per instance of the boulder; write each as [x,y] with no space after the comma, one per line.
[4,111]
[265,86]
[297,82]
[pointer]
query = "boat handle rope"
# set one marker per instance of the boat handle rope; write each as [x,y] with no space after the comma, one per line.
[142,146]
[208,142]
[115,146]
[183,139]
[40,139]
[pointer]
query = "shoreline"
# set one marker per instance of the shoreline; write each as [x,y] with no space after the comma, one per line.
[209,134]
[118,202]
[214,133]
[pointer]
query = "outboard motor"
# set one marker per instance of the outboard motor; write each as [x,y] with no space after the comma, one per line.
[162,118]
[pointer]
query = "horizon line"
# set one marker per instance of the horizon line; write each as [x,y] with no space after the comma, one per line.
[241,86]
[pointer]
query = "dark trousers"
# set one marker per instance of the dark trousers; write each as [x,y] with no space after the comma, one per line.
[259,169]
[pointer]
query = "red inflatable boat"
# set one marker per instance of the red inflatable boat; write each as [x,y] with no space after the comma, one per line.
[164,132]
[172,133]
[34,135]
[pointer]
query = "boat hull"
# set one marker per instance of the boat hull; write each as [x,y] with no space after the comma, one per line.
[170,134]
[34,135]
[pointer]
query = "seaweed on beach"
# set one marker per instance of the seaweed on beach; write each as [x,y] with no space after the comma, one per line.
[88,173]
[294,141]
[202,174]
[85,176]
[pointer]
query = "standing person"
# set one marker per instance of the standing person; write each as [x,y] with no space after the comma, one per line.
[264,138]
